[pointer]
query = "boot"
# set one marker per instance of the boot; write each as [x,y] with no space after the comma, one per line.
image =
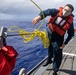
[47,62]
[54,73]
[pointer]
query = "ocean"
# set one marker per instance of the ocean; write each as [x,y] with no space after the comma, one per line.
[31,53]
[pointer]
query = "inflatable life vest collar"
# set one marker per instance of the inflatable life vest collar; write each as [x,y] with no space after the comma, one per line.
[60,11]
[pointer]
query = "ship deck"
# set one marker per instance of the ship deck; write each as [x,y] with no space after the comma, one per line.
[68,66]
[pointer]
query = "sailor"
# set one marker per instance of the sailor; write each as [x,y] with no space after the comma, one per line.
[60,22]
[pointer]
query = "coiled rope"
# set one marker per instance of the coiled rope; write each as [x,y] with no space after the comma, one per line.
[29,36]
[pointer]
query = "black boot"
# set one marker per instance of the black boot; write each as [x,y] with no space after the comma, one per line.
[54,73]
[47,62]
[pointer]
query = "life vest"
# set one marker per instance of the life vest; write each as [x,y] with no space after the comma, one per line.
[7,60]
[59,24]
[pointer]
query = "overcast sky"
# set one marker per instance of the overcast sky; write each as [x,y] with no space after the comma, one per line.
[25,9]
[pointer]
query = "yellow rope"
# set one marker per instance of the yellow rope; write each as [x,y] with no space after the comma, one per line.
[42,14]
[29,36]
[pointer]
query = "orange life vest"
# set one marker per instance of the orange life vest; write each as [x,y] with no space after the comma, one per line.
[62,25]
[7,60]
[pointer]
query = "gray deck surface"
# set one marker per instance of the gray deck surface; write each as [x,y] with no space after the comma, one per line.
[68,66]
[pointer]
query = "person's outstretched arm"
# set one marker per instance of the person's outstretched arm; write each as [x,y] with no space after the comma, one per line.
[48,12]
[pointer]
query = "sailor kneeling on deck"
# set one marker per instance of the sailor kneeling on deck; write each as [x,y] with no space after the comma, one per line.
[60,22]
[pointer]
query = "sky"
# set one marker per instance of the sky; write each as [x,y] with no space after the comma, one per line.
[25,9]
